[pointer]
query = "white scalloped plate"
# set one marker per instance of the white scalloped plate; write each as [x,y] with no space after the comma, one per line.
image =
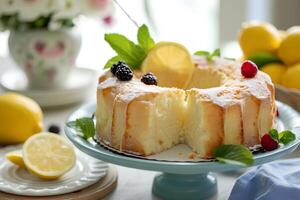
[15,180]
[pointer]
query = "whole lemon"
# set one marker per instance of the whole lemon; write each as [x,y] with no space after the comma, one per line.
[293,29]
[20,117]
[290,78]
[282,33]
[258,37]
[289,49]
[275,71]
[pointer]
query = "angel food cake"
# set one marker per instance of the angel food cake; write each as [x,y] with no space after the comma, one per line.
[217,105]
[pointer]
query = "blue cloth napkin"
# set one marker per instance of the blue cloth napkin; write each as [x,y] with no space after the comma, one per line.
[279,180]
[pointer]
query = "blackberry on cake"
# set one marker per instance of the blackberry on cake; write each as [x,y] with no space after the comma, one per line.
[124,73]
[115,66]
[149,79]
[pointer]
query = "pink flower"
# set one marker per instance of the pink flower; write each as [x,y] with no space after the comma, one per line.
[108,20]
[98,4]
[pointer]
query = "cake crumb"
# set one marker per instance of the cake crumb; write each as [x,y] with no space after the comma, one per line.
[192,155]
[179,153]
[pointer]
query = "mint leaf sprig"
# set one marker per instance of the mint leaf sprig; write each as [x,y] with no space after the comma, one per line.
[209,56]
[133,54]
[84,125]
[240,155]
[234,154]
[283,137]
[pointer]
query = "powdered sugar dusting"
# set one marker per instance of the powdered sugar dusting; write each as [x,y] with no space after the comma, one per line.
[234,87]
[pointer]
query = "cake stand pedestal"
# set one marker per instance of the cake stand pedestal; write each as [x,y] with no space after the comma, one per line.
[180,179]
[185,186]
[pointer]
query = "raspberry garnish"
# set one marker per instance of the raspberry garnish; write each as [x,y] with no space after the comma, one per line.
[268,143]
[249,69]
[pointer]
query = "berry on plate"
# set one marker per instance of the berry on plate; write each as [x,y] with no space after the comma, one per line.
[54,129]
[268,143]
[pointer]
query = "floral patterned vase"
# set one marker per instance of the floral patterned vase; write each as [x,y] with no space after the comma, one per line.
[45,56]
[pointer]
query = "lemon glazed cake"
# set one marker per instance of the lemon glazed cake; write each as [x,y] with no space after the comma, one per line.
[217,105]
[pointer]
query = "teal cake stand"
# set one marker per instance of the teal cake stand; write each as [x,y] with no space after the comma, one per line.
[181,180]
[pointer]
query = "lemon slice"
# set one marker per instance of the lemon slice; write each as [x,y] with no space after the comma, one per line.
[16,158]
[170,62]
[47,155]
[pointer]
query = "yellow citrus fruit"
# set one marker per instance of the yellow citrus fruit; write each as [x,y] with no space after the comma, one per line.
[170,62]
[275,71]
[258,37]
[16,158]
[289,49]
[282,33]
[20,117]
[293,29]
[48,155]
[290,78]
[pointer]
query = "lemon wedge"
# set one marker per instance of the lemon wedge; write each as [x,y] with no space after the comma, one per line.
[16,158]
[47,155]
[170,62]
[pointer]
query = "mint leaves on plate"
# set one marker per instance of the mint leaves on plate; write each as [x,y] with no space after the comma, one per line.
[240,155]
[133,54]
[84,125]
[234,154]
[283,137]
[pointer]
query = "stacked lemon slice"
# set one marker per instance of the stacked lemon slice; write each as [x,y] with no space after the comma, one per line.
[47,155]
[170,62]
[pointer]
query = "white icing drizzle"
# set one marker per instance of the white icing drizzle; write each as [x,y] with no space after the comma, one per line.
[234,89]
[129,90]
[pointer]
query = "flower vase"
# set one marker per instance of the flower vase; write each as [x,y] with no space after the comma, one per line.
[46,57]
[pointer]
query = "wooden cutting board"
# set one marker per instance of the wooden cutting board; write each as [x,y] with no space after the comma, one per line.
[95,192]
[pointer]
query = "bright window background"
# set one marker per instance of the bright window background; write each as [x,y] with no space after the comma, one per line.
[197,24]
[193,23]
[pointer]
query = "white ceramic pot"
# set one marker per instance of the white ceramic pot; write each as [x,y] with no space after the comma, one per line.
[45,56]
